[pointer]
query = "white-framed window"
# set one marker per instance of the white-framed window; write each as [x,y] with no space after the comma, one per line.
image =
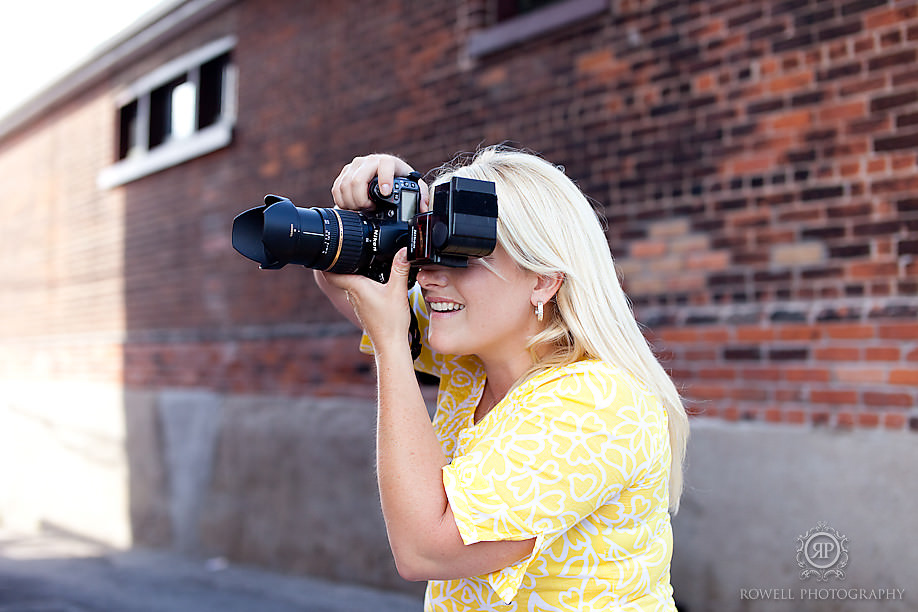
[182,110]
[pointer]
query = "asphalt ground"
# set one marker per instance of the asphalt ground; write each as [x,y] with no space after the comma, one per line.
[54,573]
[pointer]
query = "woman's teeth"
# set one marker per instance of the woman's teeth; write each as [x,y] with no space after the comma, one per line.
[445,306]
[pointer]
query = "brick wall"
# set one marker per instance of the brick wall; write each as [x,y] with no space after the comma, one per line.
[763,207]
[61,305]
[755,161]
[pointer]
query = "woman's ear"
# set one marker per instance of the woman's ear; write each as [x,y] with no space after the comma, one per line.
[546,287]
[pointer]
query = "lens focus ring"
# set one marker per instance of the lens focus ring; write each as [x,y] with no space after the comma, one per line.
[350,242]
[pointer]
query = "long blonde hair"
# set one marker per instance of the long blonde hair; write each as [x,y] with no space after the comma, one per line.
[548,226]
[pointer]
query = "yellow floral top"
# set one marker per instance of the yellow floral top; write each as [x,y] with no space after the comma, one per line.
[577,457]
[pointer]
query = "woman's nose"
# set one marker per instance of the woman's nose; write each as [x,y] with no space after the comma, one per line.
[432,276]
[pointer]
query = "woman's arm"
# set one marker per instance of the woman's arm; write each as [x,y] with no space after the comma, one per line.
[338,297]
[423,535]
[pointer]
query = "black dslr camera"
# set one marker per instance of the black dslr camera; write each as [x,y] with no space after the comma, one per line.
[462,223]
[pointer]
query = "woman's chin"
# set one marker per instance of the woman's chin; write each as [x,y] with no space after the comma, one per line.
[443,344]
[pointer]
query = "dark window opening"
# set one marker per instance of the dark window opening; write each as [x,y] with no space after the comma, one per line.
[507,9]
[127,130]
[211,90]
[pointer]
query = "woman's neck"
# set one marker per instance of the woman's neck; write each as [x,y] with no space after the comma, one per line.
[503,375]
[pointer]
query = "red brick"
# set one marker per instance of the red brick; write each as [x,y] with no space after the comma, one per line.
[845,419]
[832,396]
[798,332]
[873,270]
[774,415]
[893,16]
[807,375]
[898,331]
[876,166]
[795,395]
[894,420]
[754,334]
[882,354]
[756,163]
[705,82]
[749,394]
[885,400]
[792,119]
[595,61]
[837,354]
[717,374]
[790,82]
[904,377]
[648,248]
[761,374]
[850,330]
[844,111]
[860,374]
[678,336]
[715,335]
[706,392]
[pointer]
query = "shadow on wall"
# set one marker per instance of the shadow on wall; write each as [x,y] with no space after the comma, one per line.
[285,484]
[241,443]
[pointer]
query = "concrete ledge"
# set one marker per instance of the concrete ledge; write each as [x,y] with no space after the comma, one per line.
[752,490]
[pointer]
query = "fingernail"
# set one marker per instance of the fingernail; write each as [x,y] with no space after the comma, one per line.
[385,188]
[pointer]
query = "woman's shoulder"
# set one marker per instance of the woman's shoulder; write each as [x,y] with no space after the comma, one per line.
[585,371]
[591,383]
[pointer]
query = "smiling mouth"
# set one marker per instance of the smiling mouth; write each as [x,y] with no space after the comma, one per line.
[445,306]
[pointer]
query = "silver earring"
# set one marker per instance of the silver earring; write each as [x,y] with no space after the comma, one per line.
[539,312]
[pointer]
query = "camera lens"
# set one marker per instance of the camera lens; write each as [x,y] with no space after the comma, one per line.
[321,238]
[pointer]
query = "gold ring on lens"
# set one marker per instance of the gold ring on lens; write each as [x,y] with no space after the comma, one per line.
[340,239]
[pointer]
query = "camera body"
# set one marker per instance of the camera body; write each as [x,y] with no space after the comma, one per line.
[462,223]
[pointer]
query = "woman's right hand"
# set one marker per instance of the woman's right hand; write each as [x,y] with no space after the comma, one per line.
[351,192]
[351,188]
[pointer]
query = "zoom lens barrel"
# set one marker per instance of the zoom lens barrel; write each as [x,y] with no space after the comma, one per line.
[279,233]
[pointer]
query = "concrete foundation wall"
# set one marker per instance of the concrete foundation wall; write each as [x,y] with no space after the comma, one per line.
[283,483]
[752,490]
[289,484]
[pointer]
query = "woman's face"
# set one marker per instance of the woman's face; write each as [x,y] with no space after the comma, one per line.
[480,311]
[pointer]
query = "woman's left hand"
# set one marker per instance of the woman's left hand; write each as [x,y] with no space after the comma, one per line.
[383,310]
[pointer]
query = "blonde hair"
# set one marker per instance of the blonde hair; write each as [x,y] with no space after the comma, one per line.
[547,225]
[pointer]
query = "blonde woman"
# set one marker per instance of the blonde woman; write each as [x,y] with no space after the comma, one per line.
[546,479]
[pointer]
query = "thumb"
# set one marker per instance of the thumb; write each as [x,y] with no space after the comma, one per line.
[400,267]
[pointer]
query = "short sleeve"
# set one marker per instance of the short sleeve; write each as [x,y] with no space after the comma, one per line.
[428,361]
[563,448]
